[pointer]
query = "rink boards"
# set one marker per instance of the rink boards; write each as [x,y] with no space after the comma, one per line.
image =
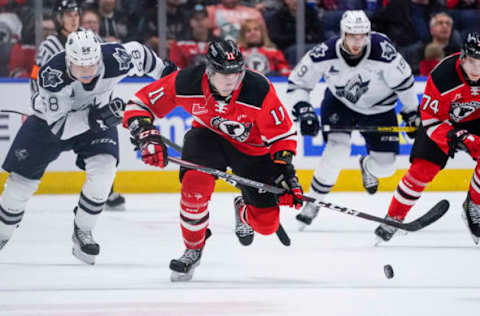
[133,176]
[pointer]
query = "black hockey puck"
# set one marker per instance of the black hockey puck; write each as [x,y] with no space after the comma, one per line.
[388,271]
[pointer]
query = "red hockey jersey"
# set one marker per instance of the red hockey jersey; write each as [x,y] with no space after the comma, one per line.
[448,101]
[254,121]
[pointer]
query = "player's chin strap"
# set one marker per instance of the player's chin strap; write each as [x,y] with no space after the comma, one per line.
[281,233]
[434,214]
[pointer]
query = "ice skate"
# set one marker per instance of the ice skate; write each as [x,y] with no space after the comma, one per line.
[84,246]
[243,231]
[385,232]
[183,267]
[471,216]
[370,182]
[115,202]
[306,216]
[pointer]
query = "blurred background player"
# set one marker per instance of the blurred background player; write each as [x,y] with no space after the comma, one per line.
[75,110]
[365,76]
[450,112]
[67,20]
[238,122]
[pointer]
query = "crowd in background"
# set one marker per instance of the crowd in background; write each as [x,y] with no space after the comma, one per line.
[424,31]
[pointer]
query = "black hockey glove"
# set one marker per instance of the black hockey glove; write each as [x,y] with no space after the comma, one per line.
[147,139]
[463,140]
[305,114]
[288,180]
[109,115]
[411,119]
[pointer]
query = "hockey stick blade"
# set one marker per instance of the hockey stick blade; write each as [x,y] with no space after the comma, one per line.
[282,236]
[372,129]
[434,214]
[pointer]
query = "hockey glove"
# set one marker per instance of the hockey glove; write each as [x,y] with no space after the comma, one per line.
[147,139]
[309,123]
[463,140]
[109,115]
[411,119]
[288,180]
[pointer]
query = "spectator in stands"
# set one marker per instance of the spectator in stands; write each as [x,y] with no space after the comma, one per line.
[282,29]
[227,17]
[407,26]
[113,23]
[443,34]
[259,52]
[48,26]
[90,20]
[433,54]
[192,51]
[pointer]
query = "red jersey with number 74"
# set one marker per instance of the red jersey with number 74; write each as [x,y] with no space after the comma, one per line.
[253,120]
[448,101]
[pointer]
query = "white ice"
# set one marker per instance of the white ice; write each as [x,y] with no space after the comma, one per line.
[331,268]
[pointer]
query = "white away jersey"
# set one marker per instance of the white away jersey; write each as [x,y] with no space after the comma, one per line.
[64,102]
[370,87]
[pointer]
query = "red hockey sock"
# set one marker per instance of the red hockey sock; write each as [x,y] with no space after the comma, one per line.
[410,188]
[474,189]
[263,220]
[197,188]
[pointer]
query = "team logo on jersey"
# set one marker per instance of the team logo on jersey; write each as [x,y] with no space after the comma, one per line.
[353,90]
[235,130]
[21,154]
[199,109]
[318,52]
[388,51]
[123,58]
[460,110]
[51,77]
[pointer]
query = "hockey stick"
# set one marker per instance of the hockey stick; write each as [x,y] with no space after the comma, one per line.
[13,111]
[434,214]
[281,233]
[371,129]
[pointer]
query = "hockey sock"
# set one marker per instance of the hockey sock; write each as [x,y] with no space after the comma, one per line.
[262,220]
[335,154]
[100,171]
[474,190]
[380,164]
[197,188]
[410,188]
[18,191]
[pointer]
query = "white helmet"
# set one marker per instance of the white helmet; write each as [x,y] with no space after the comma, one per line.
[354,22]
[83,48]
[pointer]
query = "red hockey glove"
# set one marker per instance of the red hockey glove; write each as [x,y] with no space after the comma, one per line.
[463,140]
[147,139]
[288,179]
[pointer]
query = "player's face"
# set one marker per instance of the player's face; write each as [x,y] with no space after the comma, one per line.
[354,43]
[225,83]
[71,21]
[84,74]
[471,66]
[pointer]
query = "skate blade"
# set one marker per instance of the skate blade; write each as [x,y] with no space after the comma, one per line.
[474,238]
[80,255]
[181,277]
[118,208]
[301,226]
[378,241]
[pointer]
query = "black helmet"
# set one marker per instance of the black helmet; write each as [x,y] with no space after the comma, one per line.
[471,45]
[225,57]
[65,5]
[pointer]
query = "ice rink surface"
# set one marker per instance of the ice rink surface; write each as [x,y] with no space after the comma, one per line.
[331,268]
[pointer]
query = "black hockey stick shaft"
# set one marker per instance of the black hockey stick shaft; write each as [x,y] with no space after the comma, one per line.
[281,233]
[371,129]
[428,218]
